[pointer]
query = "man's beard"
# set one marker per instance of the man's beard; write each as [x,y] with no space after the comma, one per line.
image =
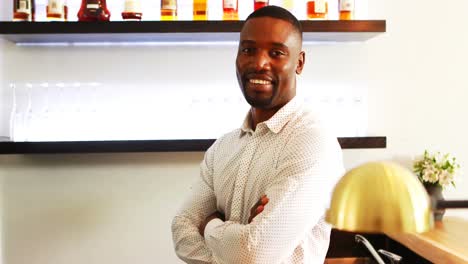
[262,103]
[253,101]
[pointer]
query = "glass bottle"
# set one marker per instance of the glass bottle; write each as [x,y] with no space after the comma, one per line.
[200,10]
[132,10]
[260,3]
[346,9]
[230,10]
[93,10]
[168,9]
[23,10]
[288,4]
[317,9]
[57,10]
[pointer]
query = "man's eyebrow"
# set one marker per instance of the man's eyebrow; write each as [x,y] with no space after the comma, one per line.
[245,42]
[275,44]
[280,45]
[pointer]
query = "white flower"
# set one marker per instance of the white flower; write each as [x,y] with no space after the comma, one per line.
[436,168]
[430,176]
[445,178]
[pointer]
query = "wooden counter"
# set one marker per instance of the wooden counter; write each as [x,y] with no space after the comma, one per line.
[447,243]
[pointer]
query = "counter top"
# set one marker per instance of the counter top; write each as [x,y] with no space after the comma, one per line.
[446,243]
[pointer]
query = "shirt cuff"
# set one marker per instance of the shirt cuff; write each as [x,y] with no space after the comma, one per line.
[209,228]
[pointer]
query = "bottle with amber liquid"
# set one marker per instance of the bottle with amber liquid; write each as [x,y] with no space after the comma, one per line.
[346,9]
[230,10]
[168,9]
[288,4]
[23,10]
[93,10]
[200,10]
[259,4]
[317,9]
[132,10]
[57,10]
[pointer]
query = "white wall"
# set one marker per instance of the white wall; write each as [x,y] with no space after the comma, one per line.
[93,208]
[117,208]
[3,107]
[2,132]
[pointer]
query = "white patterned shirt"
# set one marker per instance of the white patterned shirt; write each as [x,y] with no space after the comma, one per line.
[292,159]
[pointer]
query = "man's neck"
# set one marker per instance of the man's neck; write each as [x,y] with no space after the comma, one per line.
[258,115]
[261,115]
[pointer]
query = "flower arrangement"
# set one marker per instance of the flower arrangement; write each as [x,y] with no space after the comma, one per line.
[436,169]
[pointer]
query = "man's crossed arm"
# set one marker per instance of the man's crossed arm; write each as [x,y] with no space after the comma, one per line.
[256,210]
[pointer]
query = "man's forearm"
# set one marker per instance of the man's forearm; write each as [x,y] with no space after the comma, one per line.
[189,245]
[215,215]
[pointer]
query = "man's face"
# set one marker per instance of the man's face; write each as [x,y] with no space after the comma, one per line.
[268,59]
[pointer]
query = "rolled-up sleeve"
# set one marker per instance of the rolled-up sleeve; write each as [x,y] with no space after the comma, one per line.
[189,245]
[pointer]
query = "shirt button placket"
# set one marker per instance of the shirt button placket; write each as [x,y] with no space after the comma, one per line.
[242,175]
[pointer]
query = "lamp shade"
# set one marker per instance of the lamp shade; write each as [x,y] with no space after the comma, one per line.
[380,197]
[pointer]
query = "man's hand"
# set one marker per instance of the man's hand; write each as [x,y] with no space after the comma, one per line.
[201,228]
[258,207]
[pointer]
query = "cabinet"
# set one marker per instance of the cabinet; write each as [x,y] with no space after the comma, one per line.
[198,32]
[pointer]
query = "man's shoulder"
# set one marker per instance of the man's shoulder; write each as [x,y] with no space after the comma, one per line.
[310,120]
[228,138]
[310,128]
[235,133]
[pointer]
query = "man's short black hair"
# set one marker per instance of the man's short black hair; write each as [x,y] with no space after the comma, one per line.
[277,12]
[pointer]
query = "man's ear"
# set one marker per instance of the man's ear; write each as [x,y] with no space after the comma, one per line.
[300,62]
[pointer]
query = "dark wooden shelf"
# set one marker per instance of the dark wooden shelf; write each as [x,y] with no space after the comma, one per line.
[175,31]
[149,146]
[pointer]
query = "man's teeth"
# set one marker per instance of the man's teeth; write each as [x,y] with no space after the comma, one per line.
[257,81]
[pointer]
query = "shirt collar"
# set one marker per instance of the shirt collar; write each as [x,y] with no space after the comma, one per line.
[277,121]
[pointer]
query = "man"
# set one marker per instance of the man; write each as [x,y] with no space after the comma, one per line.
[264,188]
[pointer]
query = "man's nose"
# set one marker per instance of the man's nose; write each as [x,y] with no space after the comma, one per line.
[262,61]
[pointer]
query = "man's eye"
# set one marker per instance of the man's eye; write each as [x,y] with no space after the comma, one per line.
[277,53]
[247,50]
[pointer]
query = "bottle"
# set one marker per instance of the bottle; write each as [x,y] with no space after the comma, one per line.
[230,10]
[200,10]
[288,4]
[23,10]
[317,9]
[57,10]
[260,3]
[93,10]
[168,9]
[132,10]
[346,9]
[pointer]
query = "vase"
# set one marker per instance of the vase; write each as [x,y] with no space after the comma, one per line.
[435,192]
